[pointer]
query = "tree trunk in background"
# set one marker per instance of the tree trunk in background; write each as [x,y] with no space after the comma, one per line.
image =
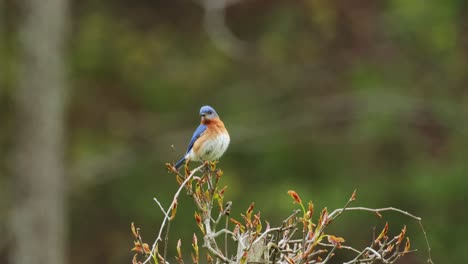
[38,218]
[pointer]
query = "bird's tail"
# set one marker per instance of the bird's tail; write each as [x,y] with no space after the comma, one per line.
[180,163]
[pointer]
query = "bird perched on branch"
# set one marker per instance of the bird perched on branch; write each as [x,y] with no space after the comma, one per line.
[209,141]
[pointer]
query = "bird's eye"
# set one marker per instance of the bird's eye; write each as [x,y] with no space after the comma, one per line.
[210,112]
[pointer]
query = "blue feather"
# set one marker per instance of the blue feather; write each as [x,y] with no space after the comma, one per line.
[200,129]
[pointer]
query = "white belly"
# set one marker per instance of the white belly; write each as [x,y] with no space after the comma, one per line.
[211,149]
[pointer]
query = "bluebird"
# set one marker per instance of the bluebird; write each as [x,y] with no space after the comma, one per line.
[209,141]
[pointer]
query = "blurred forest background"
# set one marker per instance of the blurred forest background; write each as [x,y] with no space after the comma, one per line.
[319,96]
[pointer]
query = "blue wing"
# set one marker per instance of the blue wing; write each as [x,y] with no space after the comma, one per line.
[200,129]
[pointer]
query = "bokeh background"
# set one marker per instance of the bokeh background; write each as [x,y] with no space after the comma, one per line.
[319,96]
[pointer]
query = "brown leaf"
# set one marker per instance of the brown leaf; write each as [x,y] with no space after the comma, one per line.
[249,211]
[323,220]
[134,260]
[174,211]
[146,248]
[407,245]
[209,259]
[389,248]
[195,248]
[336,241]
[310,210]
[234,221]
[178,248]
[137,247]
[134,230]
[222,191]
[383,234]
[195,242]
[248,222]
[378,214]
[295,196]
[257,223]
[238,224]
[401,235]
[198,219]
[353,196]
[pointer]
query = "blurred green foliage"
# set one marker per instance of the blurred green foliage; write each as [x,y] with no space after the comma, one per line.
[332,96]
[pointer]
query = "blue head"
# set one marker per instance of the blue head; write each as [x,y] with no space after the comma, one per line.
[208,113]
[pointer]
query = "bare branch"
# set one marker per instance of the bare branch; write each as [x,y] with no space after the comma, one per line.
[335,213]
[166,217]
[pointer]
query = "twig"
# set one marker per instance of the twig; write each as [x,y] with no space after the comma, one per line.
[329,255]
[224,231]
[166,241]
[225,236]
[429,260]
[333,217]
[265,233]
[160,206]
[217,254]
[166,217]
[345,247]
[338,211]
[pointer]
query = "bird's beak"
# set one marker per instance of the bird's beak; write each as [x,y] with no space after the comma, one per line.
[202,114]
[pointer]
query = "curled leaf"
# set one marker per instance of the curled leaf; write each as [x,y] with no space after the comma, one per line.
[353,196]
[249,211]
[179,250]
[146,248]
[195,243]
[140,248]
[234,221]
[407,245]
[134,230]
[198,219]
[383,234]
[389,248]
[195,248]
[336,241]
[323,220]
[137,247]
[295,196]
[310,210]
[401,235]
[209,258]
[222,191]
[173,211]
[257,223]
